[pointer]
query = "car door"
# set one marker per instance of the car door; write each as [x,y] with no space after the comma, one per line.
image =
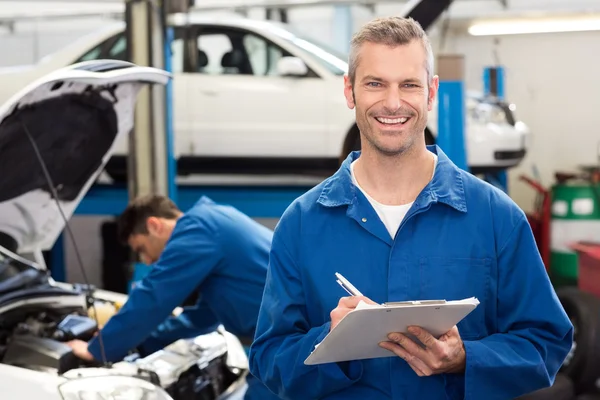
[244,108]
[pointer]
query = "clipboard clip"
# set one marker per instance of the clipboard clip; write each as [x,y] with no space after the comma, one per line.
[414,303]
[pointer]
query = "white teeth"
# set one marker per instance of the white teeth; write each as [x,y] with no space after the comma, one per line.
[392,120]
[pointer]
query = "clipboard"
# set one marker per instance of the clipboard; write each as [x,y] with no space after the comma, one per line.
[358,334]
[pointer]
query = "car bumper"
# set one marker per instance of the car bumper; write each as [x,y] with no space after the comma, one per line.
[496,146]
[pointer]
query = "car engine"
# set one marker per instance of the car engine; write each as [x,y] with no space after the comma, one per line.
[38,341]
[38,316]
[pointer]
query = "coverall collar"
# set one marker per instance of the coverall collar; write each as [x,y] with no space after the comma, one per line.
[445,187]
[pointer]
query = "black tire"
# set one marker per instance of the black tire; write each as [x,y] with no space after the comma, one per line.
[116,169]
[429,139]
[583,362]
[589,396]
[352,141]
[117,176]
[562,389]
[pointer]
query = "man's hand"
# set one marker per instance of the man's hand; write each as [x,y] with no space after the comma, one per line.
[345,305]
[80,349]
[443,355]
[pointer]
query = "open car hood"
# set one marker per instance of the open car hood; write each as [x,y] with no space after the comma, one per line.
[425,12]
[74,116]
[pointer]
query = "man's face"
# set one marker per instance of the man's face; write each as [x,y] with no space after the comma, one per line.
[392,96]
[149,246]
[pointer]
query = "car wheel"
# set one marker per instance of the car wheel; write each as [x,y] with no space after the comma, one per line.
[582,364]
[562,389]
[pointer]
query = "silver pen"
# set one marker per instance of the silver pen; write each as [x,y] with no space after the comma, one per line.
[347,286]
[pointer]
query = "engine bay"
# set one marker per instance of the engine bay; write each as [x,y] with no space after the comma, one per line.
[39,316]
[38,339]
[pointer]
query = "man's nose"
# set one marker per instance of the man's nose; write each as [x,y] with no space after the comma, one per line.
[393,99]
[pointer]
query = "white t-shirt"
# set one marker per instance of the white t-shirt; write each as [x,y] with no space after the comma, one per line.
[391,216]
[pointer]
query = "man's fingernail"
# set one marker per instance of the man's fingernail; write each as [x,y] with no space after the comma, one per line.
[414,330]
[393,337]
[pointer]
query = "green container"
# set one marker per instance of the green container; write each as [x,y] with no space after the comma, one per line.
[575,217]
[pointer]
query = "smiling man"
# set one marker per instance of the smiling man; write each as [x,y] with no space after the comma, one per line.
[402,222]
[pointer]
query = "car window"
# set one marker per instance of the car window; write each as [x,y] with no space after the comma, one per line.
[330,58]
[262,54]
[115,48]
[223,51]
[118,50]
[96,52]
[213,49]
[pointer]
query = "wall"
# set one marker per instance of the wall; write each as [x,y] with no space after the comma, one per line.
[552,80]
[31,41]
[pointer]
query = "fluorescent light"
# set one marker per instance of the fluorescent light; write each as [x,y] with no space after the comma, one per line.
[516,27]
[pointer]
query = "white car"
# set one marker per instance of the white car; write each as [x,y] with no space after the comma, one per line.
[256,97]
[55,137]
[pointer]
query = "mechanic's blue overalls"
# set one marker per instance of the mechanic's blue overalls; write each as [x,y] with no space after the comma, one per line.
[214,249]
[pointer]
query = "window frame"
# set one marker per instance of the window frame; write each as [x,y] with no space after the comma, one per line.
[196,30]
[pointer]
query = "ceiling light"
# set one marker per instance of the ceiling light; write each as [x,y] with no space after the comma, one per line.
[516,27]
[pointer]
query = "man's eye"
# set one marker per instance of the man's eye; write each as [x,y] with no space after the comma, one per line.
[374,84]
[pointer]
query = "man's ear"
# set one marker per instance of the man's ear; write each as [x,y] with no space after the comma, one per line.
[349,92]
[153,225]
[433,91]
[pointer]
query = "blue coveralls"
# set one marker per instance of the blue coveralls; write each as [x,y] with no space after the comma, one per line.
[461,238]
[213,247]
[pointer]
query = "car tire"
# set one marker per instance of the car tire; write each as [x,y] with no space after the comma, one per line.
[589,396]
[562,389]
[116,169]
[582,364]
[351,143]
[429,139]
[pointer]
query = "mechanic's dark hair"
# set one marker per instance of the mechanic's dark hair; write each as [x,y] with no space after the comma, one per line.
[133,220]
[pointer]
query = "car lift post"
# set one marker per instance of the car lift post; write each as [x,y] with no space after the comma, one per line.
[493,85]
[149,144]
[343,27]
[451,108]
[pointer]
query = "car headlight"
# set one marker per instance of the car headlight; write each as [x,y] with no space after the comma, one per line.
[111,388]
[487,113]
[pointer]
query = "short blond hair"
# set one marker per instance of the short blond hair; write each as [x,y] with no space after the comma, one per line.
[390,31]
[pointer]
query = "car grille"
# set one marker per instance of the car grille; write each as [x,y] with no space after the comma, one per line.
[509,154]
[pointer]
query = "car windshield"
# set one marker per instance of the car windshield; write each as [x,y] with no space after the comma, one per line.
[334,60]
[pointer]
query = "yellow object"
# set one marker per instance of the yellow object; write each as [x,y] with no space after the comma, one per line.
[105,312]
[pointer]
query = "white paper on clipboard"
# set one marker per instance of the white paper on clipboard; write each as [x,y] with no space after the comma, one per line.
[359,333]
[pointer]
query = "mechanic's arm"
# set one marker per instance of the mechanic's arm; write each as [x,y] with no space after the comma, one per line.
[193,321]
[536,332]
[190,255]
[284,337]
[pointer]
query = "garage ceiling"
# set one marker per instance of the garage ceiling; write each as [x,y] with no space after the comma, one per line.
[25,9]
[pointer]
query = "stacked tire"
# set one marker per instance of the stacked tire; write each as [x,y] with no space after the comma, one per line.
[582,365]
[579,376]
